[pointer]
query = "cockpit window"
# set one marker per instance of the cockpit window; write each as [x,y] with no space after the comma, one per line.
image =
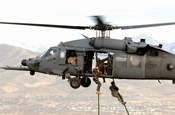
[50,54]
[41,55]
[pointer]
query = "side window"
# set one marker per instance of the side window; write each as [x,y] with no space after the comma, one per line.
[135,62]
[121,60]
[62,56]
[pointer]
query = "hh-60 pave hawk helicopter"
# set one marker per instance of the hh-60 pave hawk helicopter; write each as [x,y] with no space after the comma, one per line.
[126,59]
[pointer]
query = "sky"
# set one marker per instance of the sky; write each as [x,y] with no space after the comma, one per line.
[78,12]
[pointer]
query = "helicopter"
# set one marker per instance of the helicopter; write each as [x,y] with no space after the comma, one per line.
[126,59]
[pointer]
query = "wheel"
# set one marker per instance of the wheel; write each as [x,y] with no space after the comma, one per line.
[85,81]
[75,83]
[32,72]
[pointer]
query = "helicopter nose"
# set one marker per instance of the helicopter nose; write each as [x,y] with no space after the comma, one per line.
[35,63]
[32,63]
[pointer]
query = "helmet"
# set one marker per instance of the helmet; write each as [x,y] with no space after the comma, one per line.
[112,83]
[95,69]
[72,54]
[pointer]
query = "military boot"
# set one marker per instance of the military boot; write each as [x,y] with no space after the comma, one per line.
[98,92]
[105,72]
[123,103]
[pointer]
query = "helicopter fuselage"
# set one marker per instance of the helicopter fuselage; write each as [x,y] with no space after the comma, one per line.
[126,60]
[149,63]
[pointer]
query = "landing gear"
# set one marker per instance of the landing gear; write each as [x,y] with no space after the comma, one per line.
[32,72]
[75,83]
[173,81]
[85,82]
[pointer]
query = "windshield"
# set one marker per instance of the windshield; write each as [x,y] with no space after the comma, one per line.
[41,55]
[49,55]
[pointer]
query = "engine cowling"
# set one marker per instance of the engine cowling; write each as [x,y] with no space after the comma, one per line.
[108,43]
[125,45]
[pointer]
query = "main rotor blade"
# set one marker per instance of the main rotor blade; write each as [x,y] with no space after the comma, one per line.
[99,22]
[48,25]
[143,26]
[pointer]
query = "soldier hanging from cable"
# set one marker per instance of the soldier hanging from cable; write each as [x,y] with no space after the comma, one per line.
[98,71]
[96,74]
[114,92]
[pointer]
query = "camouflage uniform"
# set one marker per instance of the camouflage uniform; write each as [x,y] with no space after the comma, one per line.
[96,73]
[114,92]
[100,64]
[72,60]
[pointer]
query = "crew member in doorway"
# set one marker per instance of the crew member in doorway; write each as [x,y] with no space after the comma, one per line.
[100,64]
[114,92]
[96,74]
[72,59]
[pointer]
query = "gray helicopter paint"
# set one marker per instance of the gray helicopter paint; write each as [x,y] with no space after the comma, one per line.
[72,69]
[125,69]
[82,43]
[48,65]
[16,68]
[143,71]
[156,65]
[62,55]
[150,66]
[127,72]
[105,43]
[109,44]
[80,60]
